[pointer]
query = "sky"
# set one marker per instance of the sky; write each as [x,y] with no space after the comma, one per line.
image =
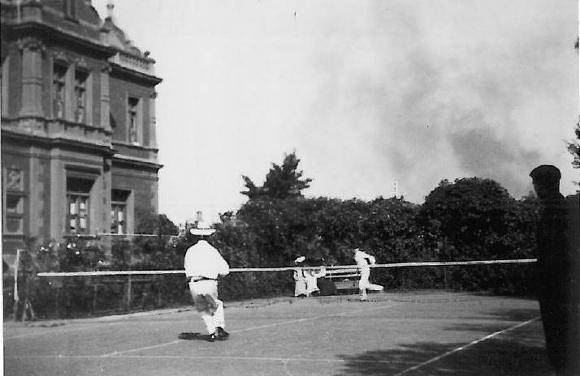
[366,92]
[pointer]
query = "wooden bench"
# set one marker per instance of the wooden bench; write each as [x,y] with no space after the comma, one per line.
[343,279]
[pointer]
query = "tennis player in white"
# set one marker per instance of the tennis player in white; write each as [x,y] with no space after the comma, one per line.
[203,264]
[363,261]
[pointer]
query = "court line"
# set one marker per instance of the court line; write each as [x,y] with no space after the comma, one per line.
[117,353]
[98,322]
[461,348]
[56,331]
[216,358]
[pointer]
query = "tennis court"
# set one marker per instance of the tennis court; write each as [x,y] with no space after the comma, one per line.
[413,333]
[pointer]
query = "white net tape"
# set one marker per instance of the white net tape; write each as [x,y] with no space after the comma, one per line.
[289,268]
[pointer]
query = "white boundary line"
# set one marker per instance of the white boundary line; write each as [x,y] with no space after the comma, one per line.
[489,336]
[117,353]
[56,330]
[69,326]
[122,355]
[217,358]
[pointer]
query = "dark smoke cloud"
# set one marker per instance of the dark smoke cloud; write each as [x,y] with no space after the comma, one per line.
[480,152]
[445,108]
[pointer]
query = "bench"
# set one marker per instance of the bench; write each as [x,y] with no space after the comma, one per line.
[343,279]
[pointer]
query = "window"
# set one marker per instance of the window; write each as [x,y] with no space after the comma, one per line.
[133,119]
[119,211]
[58,90]
[70,9]
[5,79]
[78,204]
[13,201]
[80,96]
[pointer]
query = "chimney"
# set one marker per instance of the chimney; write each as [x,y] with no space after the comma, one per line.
[110,8]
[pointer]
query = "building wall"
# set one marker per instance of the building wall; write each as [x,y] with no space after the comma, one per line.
[141,184]
[15,161]
[41,151]
[120,90]
[45,171]
[14,81]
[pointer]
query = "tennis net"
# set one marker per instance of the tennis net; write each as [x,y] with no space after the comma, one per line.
[85,293]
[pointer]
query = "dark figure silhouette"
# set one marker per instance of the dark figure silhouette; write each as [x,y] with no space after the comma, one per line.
[556,269]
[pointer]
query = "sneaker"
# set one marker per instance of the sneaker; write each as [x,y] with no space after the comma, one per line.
[222,334]
[211,338]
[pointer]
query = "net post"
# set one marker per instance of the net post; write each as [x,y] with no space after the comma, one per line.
[16,297]
[94,306]
[56,300]
[128,294]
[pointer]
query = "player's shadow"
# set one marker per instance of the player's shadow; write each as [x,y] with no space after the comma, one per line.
[493,357]
[515,314]
[193,336]
[519,352]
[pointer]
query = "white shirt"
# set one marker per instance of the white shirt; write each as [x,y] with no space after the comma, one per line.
[203,260]
[361,259]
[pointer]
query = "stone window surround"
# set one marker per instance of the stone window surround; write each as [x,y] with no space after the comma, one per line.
[16,193]
[73,69]
[119,210]
[79,188]
[134,112]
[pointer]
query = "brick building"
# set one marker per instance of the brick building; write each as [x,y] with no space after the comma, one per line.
[79,153]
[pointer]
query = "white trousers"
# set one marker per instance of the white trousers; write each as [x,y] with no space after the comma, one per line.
[364,284]
[210,308]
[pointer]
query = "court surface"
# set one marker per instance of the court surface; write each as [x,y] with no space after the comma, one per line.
[417,333]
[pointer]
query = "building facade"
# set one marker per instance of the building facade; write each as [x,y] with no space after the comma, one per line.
[79,152]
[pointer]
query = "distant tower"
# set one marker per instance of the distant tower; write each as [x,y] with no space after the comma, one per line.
[395,192]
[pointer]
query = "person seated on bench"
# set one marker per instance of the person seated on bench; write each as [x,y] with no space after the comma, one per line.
[312,276]
[300,277]
[363,260]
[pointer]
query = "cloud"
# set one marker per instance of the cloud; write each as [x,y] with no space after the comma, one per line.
[366,92]
[447,92]
[480,152]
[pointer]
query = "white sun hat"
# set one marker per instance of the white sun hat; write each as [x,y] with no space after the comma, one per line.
[201,228]
[300,259]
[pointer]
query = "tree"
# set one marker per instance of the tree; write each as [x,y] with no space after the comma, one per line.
[477,219]
[470,216]
[282,182]
[147,251]
[574,147]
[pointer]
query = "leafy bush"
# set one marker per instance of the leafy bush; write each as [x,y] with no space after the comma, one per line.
[476,219]
[467,219]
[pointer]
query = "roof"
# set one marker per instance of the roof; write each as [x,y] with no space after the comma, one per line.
[118,39]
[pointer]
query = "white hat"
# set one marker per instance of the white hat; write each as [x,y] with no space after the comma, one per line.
[202,229]
[300,259]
